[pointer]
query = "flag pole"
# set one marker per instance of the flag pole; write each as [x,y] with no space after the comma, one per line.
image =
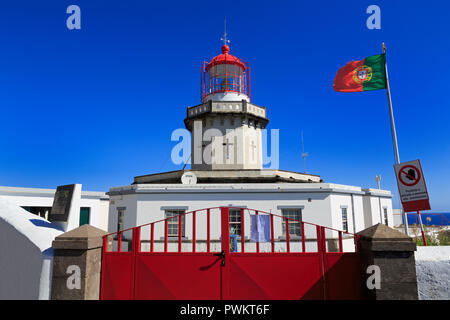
[394,134]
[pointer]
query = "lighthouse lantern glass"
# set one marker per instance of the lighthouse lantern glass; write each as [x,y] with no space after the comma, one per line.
[224,77]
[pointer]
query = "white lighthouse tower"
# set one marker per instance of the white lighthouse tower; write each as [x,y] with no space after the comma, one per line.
[226,127]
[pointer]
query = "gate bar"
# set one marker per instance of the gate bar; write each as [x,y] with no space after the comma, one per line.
[166,232]
[193,232]
[135,249]
[208,231]
[324,239]
[257,243]
[119,242]
[320,250]
[303,237]
[271,233]
[225,227]
[179,233]
[152,236]
[242,230]
[288,237]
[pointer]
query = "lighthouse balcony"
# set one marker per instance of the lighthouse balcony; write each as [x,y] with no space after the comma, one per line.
[226,107]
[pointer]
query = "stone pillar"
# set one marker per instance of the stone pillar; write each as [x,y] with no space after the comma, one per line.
[393,253]
[77,264]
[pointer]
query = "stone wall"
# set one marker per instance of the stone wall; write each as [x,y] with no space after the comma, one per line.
[433,272]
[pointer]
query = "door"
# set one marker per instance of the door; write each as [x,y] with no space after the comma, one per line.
[84,216]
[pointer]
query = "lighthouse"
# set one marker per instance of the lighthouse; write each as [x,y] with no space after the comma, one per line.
[227,170]
[226,128]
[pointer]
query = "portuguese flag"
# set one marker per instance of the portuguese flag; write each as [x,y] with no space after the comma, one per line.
[363,75]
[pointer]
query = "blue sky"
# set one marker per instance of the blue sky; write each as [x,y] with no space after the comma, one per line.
[97,106]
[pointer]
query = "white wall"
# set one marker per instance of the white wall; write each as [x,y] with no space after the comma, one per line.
[151,207]
[374,203]
[321,204]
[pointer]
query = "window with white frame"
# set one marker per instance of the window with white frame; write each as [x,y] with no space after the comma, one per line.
[234,216]
[295,217]
[344,219]
[172,224]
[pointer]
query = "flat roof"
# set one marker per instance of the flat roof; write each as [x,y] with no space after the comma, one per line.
[20,191]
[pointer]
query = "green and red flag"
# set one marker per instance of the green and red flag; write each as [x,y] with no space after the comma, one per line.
[363,75]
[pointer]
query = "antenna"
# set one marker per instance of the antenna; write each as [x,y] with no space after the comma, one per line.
[378,178]
[304,155]
[225,34]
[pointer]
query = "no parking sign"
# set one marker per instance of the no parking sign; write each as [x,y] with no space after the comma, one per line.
[411,186]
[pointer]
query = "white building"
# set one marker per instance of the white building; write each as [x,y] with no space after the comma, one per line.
[227,170]
[94,206]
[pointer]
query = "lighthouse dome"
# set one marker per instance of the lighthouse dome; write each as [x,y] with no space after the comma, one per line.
[225,58]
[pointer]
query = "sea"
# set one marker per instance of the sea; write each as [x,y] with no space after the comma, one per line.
[430,218]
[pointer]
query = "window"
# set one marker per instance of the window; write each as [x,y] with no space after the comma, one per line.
[172,224]
[40,211]
[294,226]
[344,219]
[385,216]
[120,214]
[235,221]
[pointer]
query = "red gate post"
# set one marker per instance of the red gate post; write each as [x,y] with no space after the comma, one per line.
[340,242]
[224,212]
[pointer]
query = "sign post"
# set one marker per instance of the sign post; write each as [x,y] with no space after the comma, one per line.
[412,189]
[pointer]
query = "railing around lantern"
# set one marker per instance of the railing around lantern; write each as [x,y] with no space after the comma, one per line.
[181,234]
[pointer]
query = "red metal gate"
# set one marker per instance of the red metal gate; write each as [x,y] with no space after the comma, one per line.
[322,263]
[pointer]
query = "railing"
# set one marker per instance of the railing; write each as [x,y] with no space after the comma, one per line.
[306,237]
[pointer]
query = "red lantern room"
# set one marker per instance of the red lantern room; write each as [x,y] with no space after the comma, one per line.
[225,78]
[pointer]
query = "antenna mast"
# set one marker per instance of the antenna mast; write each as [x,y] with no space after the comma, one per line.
[304,155]
[225,34]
